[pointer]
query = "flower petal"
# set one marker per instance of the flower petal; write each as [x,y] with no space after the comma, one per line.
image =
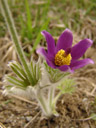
[65,40]
[63,67]
[49,59]
[51,64]
[42,52]
[50,42]
[79,49]
[80,63]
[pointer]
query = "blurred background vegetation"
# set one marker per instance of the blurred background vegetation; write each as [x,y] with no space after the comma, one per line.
[32,16]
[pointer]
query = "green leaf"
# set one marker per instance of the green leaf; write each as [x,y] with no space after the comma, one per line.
[17,66]
[8,87]
[67,86]
[21,79]
[35,71]
[16,71]
[14,81]
[54,74]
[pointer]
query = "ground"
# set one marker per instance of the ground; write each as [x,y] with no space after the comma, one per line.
[76,110]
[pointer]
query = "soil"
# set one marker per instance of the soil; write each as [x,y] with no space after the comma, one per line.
[74,110]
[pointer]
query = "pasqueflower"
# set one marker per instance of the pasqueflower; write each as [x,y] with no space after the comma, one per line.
[63,55]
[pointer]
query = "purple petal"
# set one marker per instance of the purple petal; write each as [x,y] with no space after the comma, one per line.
[51,64]
[80,63]
[50,42]
[79,49]
[49,59]
[65,40]
[42,52]
[63,67]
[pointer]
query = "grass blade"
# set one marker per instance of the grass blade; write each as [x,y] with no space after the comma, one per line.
[39,37]
[29,21]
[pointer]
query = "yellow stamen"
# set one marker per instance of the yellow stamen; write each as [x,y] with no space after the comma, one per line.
[61,58]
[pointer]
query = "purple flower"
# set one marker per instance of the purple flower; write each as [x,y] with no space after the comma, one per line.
[63,56]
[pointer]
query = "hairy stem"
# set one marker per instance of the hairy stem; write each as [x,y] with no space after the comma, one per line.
[51,96]
[9,20]
[43,103]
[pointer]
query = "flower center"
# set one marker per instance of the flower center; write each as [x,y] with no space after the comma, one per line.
[62,58]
